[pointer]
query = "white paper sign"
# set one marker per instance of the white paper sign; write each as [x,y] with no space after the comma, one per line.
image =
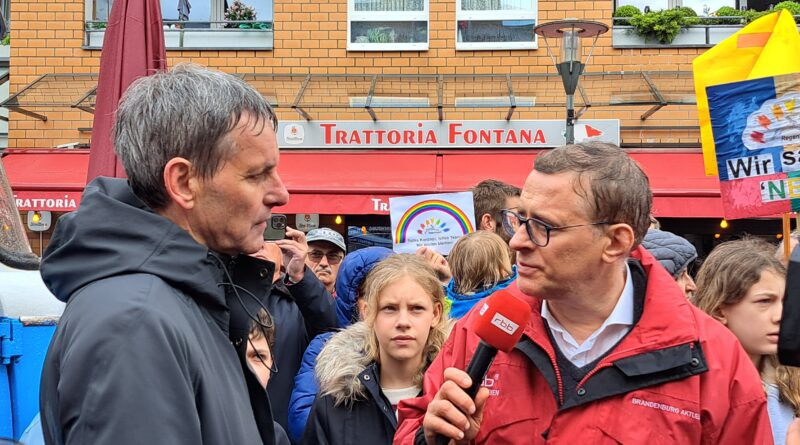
[436,221]
[307,221]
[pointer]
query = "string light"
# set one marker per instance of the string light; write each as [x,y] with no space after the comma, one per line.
[338,219]
[724,223]
[717,235]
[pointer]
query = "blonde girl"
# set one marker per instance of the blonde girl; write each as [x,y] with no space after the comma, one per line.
[365,370]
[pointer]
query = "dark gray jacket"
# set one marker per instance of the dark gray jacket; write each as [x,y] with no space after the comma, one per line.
[301,312]
[143,353]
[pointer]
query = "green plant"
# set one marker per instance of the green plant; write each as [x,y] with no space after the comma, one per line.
[238,11]
[728,11]
[751,15]
[626,11]
[789,5]
[662,26]
[376,35]
[6,40]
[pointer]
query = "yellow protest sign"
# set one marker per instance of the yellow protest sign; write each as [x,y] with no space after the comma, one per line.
[770,46]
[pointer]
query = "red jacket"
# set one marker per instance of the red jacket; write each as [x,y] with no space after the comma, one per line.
[678,377]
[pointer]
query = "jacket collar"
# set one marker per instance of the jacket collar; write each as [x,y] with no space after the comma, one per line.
[370,378]
[653,330]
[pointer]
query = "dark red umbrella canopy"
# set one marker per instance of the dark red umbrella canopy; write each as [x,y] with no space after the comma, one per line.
[133,47]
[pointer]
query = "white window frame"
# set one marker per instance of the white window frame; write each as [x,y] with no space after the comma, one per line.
[496,16]
[217,36]
[388,16]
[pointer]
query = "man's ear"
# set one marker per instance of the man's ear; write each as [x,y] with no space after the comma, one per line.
[180,182]
[487,222]
[619,239]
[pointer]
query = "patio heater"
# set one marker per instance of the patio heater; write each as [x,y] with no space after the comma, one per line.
[569,65]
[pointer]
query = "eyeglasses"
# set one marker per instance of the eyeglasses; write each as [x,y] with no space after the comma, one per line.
[272,369]
[333,257]
[538,231]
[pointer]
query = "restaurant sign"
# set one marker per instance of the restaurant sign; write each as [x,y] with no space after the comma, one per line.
[444,134]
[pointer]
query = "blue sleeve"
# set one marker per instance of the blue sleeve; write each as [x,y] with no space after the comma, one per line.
[305,388]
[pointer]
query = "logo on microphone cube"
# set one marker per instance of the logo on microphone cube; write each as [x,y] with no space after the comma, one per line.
[506,325]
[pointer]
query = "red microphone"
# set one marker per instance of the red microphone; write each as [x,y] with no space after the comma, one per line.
[499,324]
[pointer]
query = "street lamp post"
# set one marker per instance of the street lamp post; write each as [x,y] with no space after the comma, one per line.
[569,65]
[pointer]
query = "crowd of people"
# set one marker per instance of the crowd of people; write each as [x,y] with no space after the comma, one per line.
[184,326]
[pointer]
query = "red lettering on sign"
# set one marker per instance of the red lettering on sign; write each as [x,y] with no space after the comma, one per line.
[327,128]
[453,132]
[539,138]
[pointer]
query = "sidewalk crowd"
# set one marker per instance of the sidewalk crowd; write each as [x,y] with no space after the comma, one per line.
[184,326]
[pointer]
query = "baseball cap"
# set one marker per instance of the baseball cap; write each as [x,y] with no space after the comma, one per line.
[329,235]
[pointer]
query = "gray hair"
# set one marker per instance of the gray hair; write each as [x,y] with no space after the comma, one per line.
[186,112]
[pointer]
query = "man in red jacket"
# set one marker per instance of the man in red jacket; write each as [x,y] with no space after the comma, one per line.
[613,353]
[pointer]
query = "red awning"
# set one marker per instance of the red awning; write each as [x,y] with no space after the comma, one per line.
[47,179]
[337,182]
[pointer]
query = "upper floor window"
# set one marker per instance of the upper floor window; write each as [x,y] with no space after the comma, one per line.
[387,25]
[496,24]
[198,24]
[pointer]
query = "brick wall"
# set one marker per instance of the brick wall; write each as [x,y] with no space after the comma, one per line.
[310,37]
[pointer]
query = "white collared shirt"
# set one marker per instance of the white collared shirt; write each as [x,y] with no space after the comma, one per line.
[604,338]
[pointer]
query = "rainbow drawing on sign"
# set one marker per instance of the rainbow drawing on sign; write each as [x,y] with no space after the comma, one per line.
[431,224]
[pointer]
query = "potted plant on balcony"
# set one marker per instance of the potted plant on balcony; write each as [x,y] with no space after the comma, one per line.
[239,11]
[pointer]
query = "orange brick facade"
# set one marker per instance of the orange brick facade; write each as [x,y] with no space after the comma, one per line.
[310,37]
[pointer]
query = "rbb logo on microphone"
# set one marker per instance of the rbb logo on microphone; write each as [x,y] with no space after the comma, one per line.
[504,323]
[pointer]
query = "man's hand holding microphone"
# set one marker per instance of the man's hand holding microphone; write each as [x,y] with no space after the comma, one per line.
[457,409]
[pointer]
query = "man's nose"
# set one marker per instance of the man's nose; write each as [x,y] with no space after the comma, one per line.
[324,261]
[277,195]
[520,239]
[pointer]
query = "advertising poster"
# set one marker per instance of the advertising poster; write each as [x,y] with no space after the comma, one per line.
[436,221]
[756,128]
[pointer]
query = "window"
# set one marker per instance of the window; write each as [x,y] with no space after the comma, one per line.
[204,27]
[387,25]
[496,24]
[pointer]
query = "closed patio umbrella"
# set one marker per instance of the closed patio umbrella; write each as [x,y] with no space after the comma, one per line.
[133,47]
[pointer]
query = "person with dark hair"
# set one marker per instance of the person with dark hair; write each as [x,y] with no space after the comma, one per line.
[260,345]
[490,196]
[613,351]
[151,346]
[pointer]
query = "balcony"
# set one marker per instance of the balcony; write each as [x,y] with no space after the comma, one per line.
[703,35]
[188,35]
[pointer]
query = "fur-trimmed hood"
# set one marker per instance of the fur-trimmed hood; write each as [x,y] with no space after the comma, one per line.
[343,359]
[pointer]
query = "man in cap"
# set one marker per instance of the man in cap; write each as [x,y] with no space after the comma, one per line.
[326,249]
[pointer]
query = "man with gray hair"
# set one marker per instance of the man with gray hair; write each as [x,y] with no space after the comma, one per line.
[151,345]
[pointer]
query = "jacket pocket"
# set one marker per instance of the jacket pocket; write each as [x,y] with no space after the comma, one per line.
[651,417]
[510,421]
